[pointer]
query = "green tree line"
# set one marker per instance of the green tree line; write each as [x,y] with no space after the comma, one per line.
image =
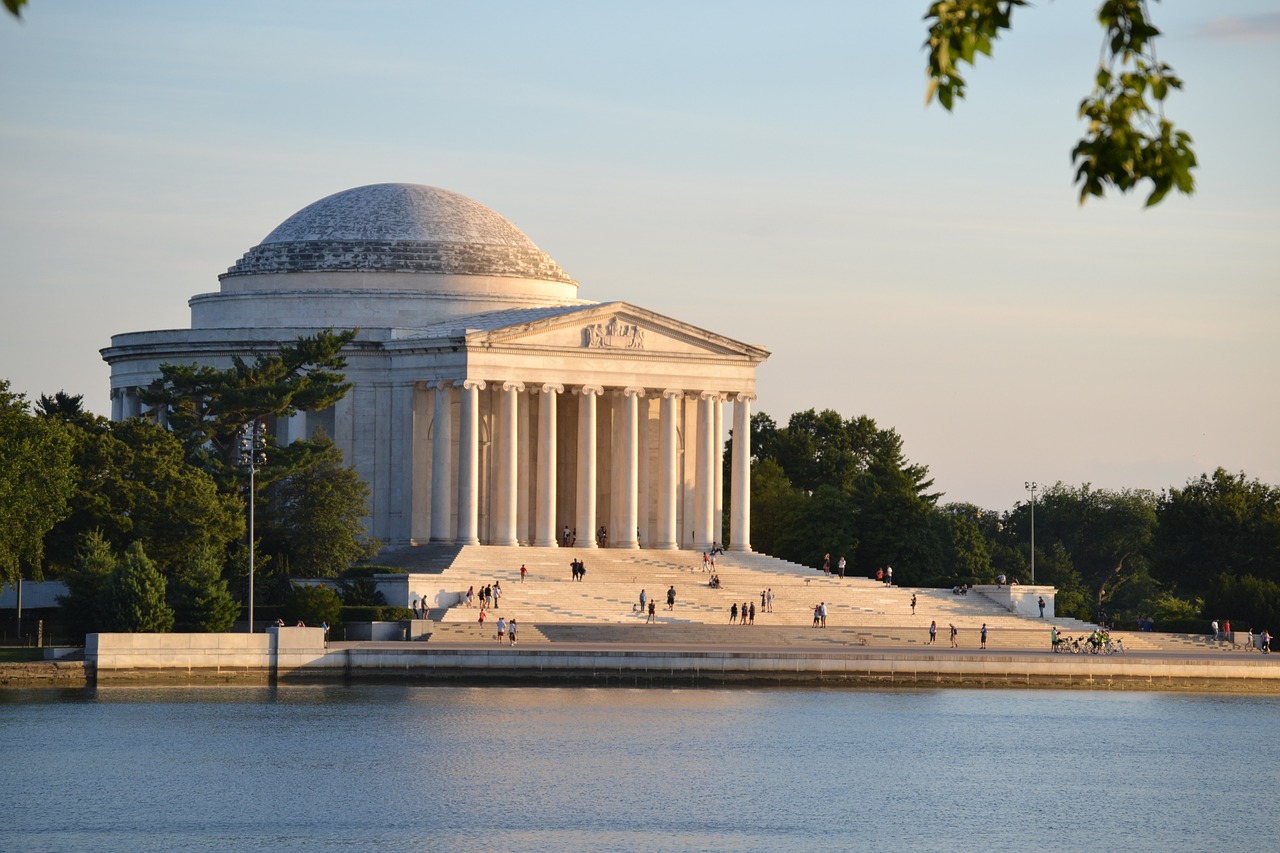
[827,485]
[145,519]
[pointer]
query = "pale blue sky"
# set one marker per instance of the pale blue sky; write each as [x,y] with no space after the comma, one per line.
[764,170]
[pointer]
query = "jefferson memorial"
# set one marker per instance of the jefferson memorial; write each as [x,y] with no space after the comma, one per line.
[490,405]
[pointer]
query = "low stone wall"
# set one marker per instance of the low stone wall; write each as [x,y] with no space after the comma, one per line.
[1023,600]
[275,651]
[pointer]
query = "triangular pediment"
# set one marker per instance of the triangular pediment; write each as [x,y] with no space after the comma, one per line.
[616,327]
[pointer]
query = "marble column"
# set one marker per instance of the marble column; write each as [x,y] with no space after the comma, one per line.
[704,522]
[524,466]
[668,454]
[586,514]
[507,481]
[442,481]
[297,427]
[740,501]
[717,520]
[117,405]
[629,476]
[644,457]
[469,463]
[545,505]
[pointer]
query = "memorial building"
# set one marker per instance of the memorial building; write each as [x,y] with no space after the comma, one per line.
[490,404]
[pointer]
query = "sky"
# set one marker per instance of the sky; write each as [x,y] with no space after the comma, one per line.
[766,171]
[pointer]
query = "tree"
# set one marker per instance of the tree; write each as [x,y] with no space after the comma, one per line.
[206,408]
[134,484]
[134,596]
[1128,140]
[1218,524]
[36,477]
[15,7]
[85,580]
[312,518]
[314,605]
[199,596]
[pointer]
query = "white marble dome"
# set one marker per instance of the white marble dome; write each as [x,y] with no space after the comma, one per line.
[399,228]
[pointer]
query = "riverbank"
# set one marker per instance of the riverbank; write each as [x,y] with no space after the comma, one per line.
[658,665]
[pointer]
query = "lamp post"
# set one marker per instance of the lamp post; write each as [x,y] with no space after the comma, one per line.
[1033,487]
[253,453]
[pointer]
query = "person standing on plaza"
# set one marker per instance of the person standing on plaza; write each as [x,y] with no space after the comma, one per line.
[840,564]
[523,572]
[643,599]
[753,613]
[733,613]
[768,600]
[511,632]
[933,632]
[826,564]
[671,598]
[653,612]
[954,633]
[822,610]
[817,614]
[1042,607]
[984,635]
[913,604]
[502,629]
[888,576]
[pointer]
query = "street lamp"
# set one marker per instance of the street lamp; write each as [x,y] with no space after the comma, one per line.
[1033,487]
[253,453]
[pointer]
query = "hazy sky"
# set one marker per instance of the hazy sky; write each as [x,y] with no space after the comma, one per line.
[764,170]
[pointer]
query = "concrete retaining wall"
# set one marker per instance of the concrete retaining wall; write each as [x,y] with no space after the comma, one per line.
[276,650]
[1023,600]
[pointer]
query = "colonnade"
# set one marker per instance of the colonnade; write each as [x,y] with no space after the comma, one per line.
[522,474]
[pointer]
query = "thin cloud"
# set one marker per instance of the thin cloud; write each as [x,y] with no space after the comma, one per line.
[1243,29]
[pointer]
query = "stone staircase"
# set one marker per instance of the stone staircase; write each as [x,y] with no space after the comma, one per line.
[604,606]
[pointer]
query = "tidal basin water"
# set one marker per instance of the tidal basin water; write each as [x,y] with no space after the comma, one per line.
[375,767]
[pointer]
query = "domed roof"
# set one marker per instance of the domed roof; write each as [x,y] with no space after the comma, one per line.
[399,228]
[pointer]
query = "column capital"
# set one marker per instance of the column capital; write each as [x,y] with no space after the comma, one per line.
[711,395]
[672,394]
[548,388]
[443,384]
[468,384]
[632,391]
[586,390]
[511,386]
[744,397]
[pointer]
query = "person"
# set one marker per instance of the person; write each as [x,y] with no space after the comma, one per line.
[954,633]
[753,613]
[279,623]
[471,596]
[1213,628]
[888,576]
[706,562]
[482,617]
[984,635]
[999,581]
[496,593]
[1250,646]
[653,610]
[880,575]
[840,564]
[417,611]
[300,624]
[913,604]
[1054,639]
[762,596]
[768,600]
[643,599]
[733,613]
[671,598]
[502,629]
[817,614]
[511,631]
[826,564]
[1266,642]
[822,611]
[602,537]
[1226,631]
[1042,607]
[933,632]
[325,626]
[566,536]
[742,614]
[523,572]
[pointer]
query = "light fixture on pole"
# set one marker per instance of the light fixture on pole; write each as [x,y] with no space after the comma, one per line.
[1033,487]
[253,453]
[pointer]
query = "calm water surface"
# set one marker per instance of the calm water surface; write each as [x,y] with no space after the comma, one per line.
[527,769]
